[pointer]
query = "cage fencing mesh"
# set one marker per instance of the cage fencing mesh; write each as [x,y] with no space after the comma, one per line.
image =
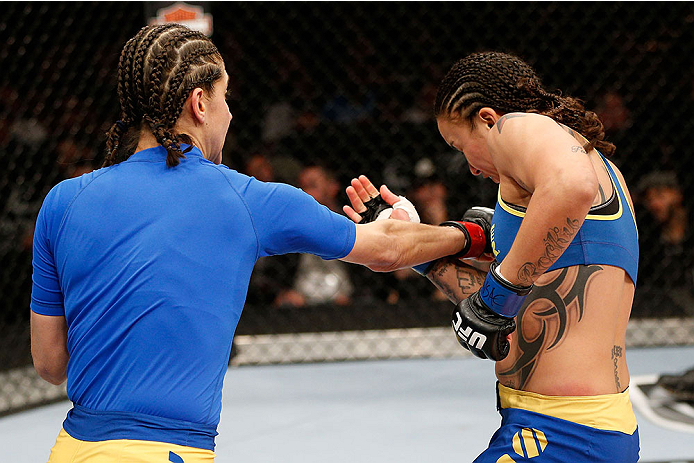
[324,91]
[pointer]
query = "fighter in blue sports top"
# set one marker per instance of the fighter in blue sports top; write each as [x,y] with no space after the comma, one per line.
[553,307]
[141,268]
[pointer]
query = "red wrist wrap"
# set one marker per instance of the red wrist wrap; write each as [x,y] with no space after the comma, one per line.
[476,241]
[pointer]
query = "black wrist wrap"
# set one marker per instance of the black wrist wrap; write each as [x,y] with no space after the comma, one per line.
[374,206]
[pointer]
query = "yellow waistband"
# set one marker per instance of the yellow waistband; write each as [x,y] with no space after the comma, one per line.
[67,448]
[610,412]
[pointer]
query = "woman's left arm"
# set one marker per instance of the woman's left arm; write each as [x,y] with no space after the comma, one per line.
[49,347]
[546,161]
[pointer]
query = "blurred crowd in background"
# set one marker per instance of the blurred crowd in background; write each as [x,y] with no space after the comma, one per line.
[324,92]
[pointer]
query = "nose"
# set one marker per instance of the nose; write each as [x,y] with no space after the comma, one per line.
[474,171]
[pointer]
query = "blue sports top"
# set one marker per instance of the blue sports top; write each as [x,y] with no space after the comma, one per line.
[608,234]
[150,266]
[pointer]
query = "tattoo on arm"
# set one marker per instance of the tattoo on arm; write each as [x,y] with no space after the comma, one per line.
[466,281]
[557,239]
[502,120]
[617,353]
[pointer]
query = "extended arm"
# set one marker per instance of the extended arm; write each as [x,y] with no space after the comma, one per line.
[455,279]
[481,319]
[388,245]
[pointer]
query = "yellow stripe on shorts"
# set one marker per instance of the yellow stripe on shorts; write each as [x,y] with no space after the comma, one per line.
[67,449]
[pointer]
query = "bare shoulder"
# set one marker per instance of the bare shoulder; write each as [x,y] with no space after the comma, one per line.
[522,128]
[511,122]
[516,134]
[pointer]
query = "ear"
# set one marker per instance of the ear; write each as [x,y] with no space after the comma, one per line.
[488,116]
[196,104]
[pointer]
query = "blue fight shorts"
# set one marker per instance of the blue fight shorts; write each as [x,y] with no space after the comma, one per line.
[557,429]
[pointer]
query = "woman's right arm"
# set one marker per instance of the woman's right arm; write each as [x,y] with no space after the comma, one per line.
[387,245]
[456,279]
[453,277]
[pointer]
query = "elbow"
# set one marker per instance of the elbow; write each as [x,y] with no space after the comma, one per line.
[54,374]
[582,190]
[386,261]
[585,192]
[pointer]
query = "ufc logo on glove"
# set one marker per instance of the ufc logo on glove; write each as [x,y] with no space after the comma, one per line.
[472,338]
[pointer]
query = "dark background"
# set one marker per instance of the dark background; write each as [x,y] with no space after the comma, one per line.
[357,80]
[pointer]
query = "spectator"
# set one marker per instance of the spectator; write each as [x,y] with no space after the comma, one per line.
[613,112]
[259,166]
[269,273]
[429,194]
[666,246]
[319,281]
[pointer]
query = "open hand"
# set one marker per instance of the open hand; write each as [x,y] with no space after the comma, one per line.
[362,190]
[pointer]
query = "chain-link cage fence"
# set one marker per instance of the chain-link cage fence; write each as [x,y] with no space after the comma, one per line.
[324,91]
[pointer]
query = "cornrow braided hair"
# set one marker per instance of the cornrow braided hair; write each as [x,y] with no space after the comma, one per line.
[157,70]
[507,84]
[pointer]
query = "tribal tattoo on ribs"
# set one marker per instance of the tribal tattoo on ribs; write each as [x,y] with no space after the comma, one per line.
[555,312]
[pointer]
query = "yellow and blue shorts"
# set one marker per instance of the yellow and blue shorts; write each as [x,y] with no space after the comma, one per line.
[67,449]
[557,429]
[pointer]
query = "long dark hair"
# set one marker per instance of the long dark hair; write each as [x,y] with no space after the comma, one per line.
[506,83]
[157,70]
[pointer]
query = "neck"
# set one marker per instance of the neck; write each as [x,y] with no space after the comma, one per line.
[147,140]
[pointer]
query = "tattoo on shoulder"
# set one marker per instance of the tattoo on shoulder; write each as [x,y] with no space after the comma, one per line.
[555,306]
[557,239]
[502,120]
[579,138]
[578,149]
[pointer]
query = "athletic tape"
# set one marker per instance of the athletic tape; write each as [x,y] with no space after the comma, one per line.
[403,204]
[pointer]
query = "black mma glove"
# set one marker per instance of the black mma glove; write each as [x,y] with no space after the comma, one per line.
[482,321]
[374,206]
[483,217]
[480,330]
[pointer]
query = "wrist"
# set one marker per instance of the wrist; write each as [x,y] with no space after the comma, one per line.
[502,296]
[475,240]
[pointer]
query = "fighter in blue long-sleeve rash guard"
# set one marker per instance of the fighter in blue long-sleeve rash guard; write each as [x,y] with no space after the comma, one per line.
[150,266]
